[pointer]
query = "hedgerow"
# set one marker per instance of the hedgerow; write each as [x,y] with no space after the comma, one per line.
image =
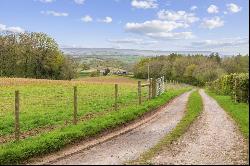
[235,85]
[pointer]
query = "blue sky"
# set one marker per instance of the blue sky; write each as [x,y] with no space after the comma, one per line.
[215,25]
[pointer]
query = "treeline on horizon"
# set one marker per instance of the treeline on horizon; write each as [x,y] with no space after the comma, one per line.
[192,69]
[37,55]
[33,55]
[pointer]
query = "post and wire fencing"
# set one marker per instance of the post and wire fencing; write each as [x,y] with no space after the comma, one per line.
[156,87]
[42,108]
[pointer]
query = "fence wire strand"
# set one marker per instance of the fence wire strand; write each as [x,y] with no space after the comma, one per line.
[45,106]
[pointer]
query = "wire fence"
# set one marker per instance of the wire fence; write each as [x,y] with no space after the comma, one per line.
[38,109]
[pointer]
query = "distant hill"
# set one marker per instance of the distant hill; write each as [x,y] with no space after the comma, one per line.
[78,52]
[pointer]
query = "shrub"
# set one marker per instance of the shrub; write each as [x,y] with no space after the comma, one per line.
[95,73]
[235,85]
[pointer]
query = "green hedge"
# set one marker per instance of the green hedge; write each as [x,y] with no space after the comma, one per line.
[234,85]
[17,152]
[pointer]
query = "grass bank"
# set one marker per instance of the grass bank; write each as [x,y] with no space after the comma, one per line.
[193,110]
[16,152]
[238,111]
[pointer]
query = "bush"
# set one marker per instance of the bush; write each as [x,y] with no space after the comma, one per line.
[95,73]
[235,85]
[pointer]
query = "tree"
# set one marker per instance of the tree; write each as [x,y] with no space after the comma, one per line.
[34,55]
[106,72]
[215,56]
[193,69]
[85,66]
[236,64]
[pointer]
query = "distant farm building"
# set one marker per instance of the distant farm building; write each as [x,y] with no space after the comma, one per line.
[120,72]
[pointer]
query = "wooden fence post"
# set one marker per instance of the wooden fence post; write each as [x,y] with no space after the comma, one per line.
[139,92]
[163,83]
[75,106]
[157,87]
[116,96]
[235,87]
[150,89]
[153,88]
[17,123]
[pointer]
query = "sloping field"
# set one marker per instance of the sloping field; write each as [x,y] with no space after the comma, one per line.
[46,112]
[46,104]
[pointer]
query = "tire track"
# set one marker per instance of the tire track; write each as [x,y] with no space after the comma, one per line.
[129,146]
[212,139]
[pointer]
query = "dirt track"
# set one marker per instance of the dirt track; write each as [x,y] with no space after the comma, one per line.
[130,145]
[212,139]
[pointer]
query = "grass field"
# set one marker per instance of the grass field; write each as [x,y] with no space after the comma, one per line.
[45,104]
[47,108]
[238,111]
[193,110]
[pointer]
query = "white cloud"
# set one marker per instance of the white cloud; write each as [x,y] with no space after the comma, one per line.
[11,29]
[87,18]
[2,27]
[15,29]
[144,4]
[153,26]
[47,1]
[181,16]
[193,8]
[132,41]
[213,9]
[212,23]
[80,2]
[106,20]
[233,8]
[54,13]
[228,42]
[171,35]
[159,29]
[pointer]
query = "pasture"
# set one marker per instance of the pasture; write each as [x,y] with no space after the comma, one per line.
[46,112]
[46,104]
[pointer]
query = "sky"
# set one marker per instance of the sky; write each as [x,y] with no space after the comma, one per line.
[171,25]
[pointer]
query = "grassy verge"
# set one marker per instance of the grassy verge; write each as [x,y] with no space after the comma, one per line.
[238,111]
[16,152]
[194,108]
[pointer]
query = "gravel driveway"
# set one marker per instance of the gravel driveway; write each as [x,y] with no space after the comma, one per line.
[212,139]
[130,145]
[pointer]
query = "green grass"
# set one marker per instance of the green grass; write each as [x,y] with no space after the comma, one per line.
[52,105]
[238,111]
[193,110]
[83,74]
[16,152]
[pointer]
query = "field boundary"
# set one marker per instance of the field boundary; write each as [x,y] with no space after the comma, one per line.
[155,87]
[101,138]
